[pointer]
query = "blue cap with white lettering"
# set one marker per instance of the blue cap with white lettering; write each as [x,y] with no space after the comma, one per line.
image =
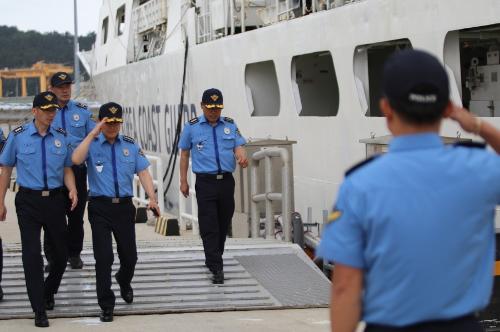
[415,79]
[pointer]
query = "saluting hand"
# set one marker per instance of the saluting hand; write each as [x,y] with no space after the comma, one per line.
[73,196]
[465,119]
[3,212]
[97,129]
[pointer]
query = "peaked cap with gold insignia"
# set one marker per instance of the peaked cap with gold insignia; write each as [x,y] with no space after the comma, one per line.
[212,98]
[46,101]
[60,78]
[112,111]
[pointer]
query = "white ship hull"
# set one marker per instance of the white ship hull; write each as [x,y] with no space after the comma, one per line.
[326,146]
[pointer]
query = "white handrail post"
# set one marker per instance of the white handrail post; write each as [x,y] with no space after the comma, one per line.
[242,10]
[225,16]
[277,11]
[269,203]
[231,10]
[159,185]
[183,215]
[254,217]
[194,206]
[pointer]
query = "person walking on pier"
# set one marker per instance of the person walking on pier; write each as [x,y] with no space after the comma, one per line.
[77,121]
[215,143]
[411,233]
[42,158]
[113,159]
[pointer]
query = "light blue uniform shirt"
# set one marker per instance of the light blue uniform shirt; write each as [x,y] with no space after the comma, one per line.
[111,167]
[76,120]
[212,148]
[39,160]
[419,222]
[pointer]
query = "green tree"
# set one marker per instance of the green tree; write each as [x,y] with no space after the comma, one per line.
[21,49]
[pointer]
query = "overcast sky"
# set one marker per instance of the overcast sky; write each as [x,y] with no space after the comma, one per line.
[50,15]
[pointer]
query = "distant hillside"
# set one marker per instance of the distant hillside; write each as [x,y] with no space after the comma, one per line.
[21,49]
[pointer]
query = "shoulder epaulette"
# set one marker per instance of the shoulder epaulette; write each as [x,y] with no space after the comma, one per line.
[194,120]
[227,119]
[470,144]
[19,130]
[81,105]
[128,139]
[62,131]
[359,165]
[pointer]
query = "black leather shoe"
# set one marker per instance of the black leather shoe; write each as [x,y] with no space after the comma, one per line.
[41,319]
[218,277]
[106,315]
[126,291]
[75,262]
[49,302]
[1,294]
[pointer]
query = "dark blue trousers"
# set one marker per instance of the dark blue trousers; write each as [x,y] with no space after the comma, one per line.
[35,212]
[215,199]
[107,219]
[461,324]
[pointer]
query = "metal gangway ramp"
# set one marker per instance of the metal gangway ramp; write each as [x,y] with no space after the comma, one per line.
[171,277]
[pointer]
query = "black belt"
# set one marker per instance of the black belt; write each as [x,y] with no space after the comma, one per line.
[219,176]
[44,193]
[114,200]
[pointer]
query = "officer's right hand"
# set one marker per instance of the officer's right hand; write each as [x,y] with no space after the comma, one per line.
[97,129]
[3,212]
[465,119]
[73,197]
[185,189]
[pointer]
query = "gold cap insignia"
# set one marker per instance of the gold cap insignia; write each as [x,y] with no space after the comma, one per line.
[113,110]
[214,97]
[49,97]
[62,76]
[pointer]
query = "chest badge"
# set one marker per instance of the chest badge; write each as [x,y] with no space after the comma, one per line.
[126,152]
[99,166]
[199,146]
[57,143]
[76,117]
[227,131]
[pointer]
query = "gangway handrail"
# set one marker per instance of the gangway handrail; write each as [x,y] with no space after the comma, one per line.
[268,196]
[183,214]
[140,197]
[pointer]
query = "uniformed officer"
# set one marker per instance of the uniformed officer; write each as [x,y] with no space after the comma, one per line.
[77,121]
[43,162]
[2,142]
[411,233]
[215,142]
[112,160]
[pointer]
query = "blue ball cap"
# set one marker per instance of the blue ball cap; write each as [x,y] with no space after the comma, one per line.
[414,78]
[212,98]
